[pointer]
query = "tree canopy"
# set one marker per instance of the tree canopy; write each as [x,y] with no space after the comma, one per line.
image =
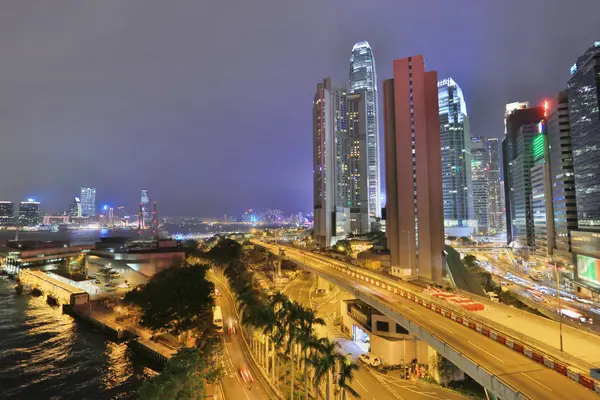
[176,300]
[184,375]
[225,251]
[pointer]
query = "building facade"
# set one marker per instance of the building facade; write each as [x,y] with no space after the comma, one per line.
[541,194]
[363,78]
[455,140]
[75,208]
[7,213]
[496,215]
[522,126]
[29,213]
[415,212]
[480,171]
[563,178]
[145,202]
[340,175]
[88,202]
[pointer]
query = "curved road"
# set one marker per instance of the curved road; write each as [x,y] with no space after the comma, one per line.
[530,378]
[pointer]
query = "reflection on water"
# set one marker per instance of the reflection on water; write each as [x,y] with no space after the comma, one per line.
[44,354]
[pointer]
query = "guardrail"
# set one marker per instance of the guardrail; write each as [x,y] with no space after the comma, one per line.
[512,339]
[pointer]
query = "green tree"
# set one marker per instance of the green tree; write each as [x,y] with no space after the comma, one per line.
[225,252]
[108,275]
[190,245]
[176,300]
[346,375]
[325,360]
[469,261]
[184,376]
[308,320]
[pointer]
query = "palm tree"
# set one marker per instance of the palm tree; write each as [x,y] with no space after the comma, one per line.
[307,339]
[328,356]
[290,313]
[346,375]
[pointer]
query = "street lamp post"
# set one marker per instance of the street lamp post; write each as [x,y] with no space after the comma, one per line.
[559,305]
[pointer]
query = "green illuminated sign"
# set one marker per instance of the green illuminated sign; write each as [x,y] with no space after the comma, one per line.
[538,146]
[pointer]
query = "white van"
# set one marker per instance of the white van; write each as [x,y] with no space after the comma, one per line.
[370,359]
[494,297]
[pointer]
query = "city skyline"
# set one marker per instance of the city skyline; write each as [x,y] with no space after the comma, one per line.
[165,118]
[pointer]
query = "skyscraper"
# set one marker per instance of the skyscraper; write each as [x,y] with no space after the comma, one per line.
[145,202]
[414,226]
[480,170]
[522,126]
[455,140]
[563,178]
[29,213]
[541,194]
[496,218]
[88,202]
[340,164]
[363,78]
[75,208]
[7,213]
[583,89]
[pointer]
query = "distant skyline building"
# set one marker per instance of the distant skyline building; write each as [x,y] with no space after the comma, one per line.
[340,177]
[414,211]
[480,170]
[88,201]
[75,210]
[145,202]
[563,177]
[455,138]
[7,213]
[29,213]
[363,78]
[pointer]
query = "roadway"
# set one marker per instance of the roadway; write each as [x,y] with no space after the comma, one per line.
[367,382]
[530,378]
[235,357]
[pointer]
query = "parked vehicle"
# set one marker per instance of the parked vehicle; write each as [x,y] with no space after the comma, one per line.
[370,359]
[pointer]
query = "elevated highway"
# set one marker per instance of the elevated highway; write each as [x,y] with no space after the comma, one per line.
[503,366]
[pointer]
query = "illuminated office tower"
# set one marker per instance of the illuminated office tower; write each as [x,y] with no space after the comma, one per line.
[496,218]
[541,194]
[363,78]
[455,138]
[339,164]
[415,212]
[88,202]
[29,213]
[145,202]
[7,213]
[480,178]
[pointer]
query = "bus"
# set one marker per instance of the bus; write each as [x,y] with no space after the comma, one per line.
[218,319]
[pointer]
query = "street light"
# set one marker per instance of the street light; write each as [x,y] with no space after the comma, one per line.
[559,305]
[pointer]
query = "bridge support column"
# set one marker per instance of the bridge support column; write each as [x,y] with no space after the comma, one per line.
[442,370]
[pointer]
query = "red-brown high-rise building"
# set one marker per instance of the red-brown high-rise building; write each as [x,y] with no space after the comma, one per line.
[415,213]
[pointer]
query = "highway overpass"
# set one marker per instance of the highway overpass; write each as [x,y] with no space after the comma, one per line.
[503,366]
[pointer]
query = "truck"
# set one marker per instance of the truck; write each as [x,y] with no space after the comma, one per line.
[218,319]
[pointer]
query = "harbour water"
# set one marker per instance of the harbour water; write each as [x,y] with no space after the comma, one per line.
[45,354]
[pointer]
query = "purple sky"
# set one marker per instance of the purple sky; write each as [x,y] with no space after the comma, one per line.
[207,104]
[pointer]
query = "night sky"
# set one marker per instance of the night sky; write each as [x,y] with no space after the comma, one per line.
[207,104]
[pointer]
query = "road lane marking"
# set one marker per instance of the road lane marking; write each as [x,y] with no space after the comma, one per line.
[410,309]
[485,351]
[248,397]
[441,326]
[361,385]
[539,383]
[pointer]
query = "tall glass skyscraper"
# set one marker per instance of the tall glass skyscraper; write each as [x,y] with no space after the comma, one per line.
[455,137]
[88,202]
[145,201]
[363,77]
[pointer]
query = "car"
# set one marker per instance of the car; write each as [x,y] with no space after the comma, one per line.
[370,359]
[217,293]
[231,328]
[245,374]
[124,285]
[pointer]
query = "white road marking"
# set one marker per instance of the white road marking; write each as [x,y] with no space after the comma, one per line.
[486,352]
[248,397]
[361,385]
[441,326]
[410,309]
[539,383]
